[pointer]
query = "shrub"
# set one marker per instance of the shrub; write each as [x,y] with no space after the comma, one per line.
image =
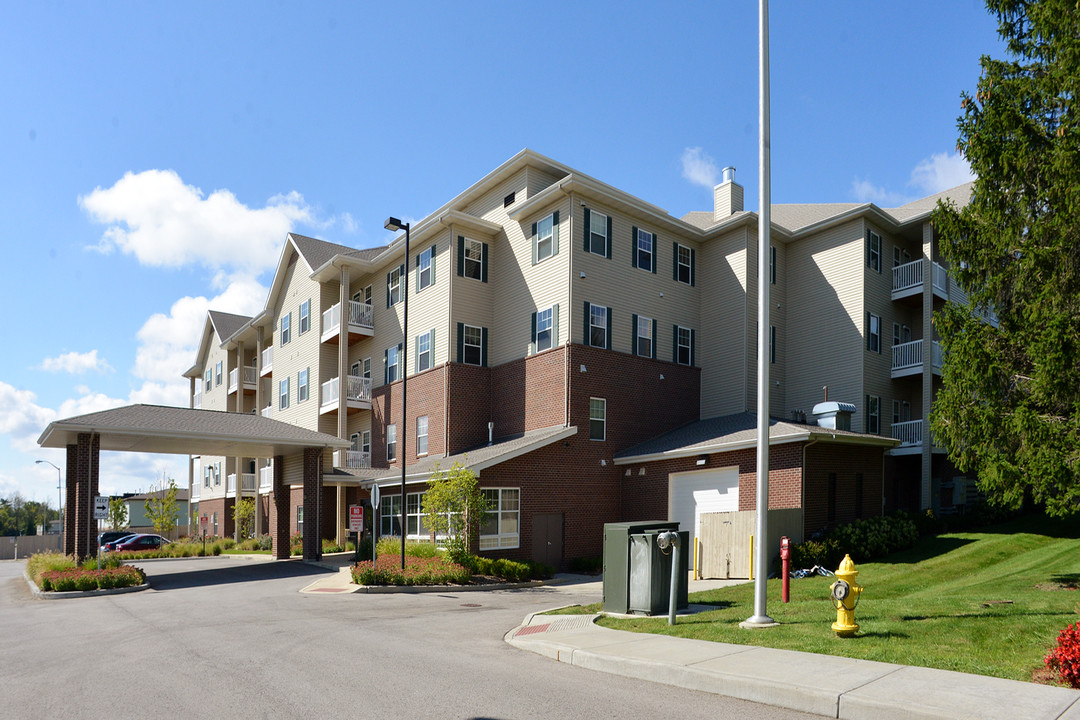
[390,545]
[587,565]
[331,546]
[418,571]
[43,562]
[1064,659]
[83,579]
[216,548]
[265,542]
[864,540]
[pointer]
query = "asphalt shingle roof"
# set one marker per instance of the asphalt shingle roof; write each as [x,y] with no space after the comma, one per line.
[227,324]
[319,252]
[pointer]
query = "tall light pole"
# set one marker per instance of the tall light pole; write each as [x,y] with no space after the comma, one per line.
[392,223]
[59,497]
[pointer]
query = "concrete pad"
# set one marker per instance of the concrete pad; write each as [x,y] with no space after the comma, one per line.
[1073,713]
[675,651]
[923,693]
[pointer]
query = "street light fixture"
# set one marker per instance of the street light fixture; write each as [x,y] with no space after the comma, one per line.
[60,500]
[392,223]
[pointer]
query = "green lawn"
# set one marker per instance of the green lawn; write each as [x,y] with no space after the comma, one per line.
[989,602]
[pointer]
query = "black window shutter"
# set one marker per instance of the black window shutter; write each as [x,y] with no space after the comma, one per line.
[461,342]
[693,266]
[655,252]
[675,261]
[633,246]
[588,236]
[555,325]
[483,261]
[693,348]
[461,255]
[483,347]
[387,289]
[633,335]
[586,340]
[532,343]
[555,233]
[608,344]
[674,343]
[608,239]
[867,331]
[385,366]
[654,338]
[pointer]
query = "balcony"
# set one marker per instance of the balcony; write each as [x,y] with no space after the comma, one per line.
[907,358]
[247,484]
[352,459]
[251,376]
[908,280]
[267,412]
[908,433]
[267,362]
[266,478]
[196,400]
[360,323]
[195,491]
[357,394]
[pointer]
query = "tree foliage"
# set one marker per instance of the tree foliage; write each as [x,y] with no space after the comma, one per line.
[118,514]
[244,515]
[1009,409]
[19,516]
[455,507]
[162,509]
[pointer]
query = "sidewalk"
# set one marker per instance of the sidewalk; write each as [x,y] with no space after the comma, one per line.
[822,684]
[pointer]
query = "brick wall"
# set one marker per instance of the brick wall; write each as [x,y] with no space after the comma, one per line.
[846,462]
[224,509]
[469,404]
[529,393]
[427,396]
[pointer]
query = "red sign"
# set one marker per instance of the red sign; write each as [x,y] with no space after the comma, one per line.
[204,523]
[356,518]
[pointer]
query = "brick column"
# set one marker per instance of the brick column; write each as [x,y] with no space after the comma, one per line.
[95,453]
[70,503]
[86,487]
[279,511]
[312,504]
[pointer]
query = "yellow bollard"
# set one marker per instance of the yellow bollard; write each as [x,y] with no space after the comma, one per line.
[845,596]
[751,557]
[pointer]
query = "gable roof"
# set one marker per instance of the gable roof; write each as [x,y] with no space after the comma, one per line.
[226,324]
[736,432]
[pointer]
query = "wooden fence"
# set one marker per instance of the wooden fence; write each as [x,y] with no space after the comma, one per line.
[724,544]
[27,545]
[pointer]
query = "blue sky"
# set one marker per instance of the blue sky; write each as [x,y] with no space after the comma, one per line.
[155,154]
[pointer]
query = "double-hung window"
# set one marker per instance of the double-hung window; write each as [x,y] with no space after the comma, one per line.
[597,326]
[545,237]
[422,435]
[873,250]
[425,350]
[472,345]
[302,385]
[644,255]
[500,529]
[393,285]
[684,264]
[543,329]
[644,336]
[391,443]
[286,329]
[873,414]
[283,394]
[363,296]
[218,370]
[393,363]
[683,352]
[597,418]
[217,473]
[873,332]
[472,259]
[208,381]
[597,233]
[390,515]
[208,473]
[305,317]
[425,269]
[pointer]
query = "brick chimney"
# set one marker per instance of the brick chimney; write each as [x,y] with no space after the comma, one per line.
[727,196]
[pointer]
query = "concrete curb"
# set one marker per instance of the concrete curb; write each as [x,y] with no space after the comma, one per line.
[823,684]
[42,595]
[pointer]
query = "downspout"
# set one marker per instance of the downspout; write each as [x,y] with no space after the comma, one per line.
[449,334]
[802,500]
[569,312]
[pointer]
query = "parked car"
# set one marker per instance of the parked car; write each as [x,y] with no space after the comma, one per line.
[110,545]
[112,535]
[135,543]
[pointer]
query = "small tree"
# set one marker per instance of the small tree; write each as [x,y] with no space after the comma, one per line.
[455,506]
[244,515]
[162,510]
[118,514]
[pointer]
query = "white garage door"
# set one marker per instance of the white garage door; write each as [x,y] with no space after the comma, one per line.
[692,493]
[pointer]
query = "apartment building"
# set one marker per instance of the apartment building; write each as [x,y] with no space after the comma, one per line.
[593,358]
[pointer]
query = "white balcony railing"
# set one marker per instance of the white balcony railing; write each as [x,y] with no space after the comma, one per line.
[233,380]
[906,276]
[267,360]
[267,412]
[195,491]
[908,433]
[247,482]
[910,355]
[352,459]
[266,477]
[251,374]
[230,486]
[196,401]
[940,279]
[359,314]
[357,389]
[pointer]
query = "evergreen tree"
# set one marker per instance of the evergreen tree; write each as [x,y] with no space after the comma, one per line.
[1009,409]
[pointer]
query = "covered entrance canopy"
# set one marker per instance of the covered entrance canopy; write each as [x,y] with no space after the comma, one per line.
[173,430]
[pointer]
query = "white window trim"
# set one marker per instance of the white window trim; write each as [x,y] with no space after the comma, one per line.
[465,344]
[285,336]
[548,238]
[430,352]
[873,338]
[648,336]
[391,430]
[550,312]
[602,234]
[424,435]
[592,325]
[873,251]
[502,540]
[679,346]
[689,265]
[283,394]
[651,236]
[872,414]
[305,316]
[429,269]
[478,262]
[396,364]
[602,420]
[218,373]
[394,287]
[303,384]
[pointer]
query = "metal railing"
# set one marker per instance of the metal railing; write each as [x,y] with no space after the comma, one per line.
[941,278]
[267,359]
[908,433]
[266,477]
[233,379]
[267,412]
[356,388]
[906,276]
[230,486]
[352,459]
[196,401]
[359,314]
[910,354]
[247,482]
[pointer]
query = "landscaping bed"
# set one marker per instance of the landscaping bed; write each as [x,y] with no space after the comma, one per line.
[426,564]
[53,572]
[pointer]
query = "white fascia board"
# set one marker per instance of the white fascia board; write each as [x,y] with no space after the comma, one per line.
[709,449]
[840,218]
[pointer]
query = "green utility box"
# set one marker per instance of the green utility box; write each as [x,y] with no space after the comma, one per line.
[650,574]
[618,568]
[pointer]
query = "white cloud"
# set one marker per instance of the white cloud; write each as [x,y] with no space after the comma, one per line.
[941,171]
[75,363]
[160,220]
[866,191]
[699,168]
[21,417]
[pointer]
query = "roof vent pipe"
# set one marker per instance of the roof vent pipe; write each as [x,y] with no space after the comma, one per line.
[727,196]
[729,174]
[491,429]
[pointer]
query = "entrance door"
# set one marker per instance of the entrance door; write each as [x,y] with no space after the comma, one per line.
[547,534]
[692,493]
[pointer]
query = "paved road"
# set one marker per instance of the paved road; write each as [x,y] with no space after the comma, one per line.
[228,637]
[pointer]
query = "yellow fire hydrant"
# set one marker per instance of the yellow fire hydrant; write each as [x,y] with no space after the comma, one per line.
[845,596]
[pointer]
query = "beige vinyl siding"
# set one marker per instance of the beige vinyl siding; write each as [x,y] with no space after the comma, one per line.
[825,309]
[630,291]
[294,473]
[428,307]
[777,318]
[302,351]
[217,398]
[472,299]
[722,346]
[877,299]
[518,287]
[538,180]
[490,205]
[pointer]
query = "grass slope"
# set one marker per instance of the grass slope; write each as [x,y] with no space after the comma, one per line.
[989,603]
